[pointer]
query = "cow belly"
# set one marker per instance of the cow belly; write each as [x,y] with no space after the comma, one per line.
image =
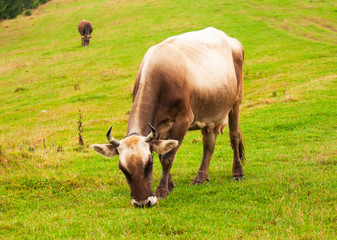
[210,108]
[219,126]
[209,119]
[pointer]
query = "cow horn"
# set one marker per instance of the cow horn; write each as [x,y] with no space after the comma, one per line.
[111,139]
[152,135]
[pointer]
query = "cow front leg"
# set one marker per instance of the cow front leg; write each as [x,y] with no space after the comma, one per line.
[163,187]
[170,184]
[236,142]
[166,184]
[208,140]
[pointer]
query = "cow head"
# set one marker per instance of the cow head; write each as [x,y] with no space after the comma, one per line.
[85,40]
[136,162]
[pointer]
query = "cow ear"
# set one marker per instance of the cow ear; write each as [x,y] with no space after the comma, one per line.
[106,150]
[163,146]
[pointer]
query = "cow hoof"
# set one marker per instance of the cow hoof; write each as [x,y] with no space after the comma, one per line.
[238,178]
[161,193]
[198,181]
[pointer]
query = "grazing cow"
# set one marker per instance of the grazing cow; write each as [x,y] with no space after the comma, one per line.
[188,82]
[85,28]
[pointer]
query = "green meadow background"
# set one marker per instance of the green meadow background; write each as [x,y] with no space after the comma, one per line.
[52,188]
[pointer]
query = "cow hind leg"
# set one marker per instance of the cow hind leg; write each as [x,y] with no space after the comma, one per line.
[236,142]
[209,139]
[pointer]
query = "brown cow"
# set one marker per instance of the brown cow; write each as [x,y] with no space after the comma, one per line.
[188,82]
[85,29]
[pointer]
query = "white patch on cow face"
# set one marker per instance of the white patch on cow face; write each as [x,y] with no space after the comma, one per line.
[131,149]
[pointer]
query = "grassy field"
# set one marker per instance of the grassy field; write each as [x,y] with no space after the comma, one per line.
[50,187]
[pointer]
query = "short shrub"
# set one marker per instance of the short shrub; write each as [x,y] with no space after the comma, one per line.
[28,13]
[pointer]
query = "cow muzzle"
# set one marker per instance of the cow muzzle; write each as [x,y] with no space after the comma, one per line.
[149,202]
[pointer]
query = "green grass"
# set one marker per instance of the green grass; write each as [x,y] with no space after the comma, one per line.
[50,188]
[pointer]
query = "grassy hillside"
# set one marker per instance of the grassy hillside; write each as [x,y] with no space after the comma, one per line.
[52,188]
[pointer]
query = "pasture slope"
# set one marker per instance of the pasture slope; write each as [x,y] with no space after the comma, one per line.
[50,188]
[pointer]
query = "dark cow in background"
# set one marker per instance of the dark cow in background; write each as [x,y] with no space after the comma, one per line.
[188,82]
[85,28]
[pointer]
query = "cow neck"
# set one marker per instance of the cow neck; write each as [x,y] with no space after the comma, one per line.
[143,109]
[87,30]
